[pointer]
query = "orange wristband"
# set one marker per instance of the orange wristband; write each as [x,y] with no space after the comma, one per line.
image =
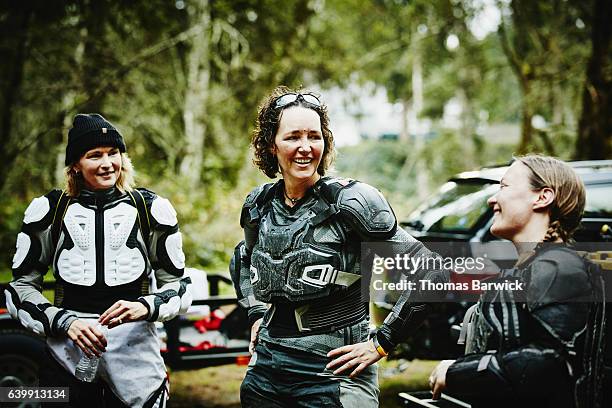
[381,351]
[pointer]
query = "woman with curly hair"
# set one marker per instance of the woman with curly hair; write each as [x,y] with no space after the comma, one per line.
[302,256]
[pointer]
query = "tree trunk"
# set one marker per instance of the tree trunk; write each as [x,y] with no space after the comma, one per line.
[526,116]
[404,135]
[422,181]
[95,49]
[14,79]
[194,111]
[595,126]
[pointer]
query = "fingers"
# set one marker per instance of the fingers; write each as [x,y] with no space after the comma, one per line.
[340,360]
[437,391]
[104,317]
[122,312]
[355,356]
[340,351]
[101,340]
[86,339]
[117,319]
[358,370]
[345,367]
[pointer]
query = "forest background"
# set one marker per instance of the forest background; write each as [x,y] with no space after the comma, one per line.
[182,80]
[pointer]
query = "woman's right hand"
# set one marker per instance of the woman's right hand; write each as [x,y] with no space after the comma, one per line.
[254,332]
[89,339]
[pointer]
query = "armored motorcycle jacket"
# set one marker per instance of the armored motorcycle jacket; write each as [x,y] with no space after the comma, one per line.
[305,261]
[102,248]
[539,348]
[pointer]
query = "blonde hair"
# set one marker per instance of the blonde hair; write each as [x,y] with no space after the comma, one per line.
[125,181]
[570,196]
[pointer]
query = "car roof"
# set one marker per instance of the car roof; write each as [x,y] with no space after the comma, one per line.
[591,172]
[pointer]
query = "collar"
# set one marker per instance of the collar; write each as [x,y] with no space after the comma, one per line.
[99,196]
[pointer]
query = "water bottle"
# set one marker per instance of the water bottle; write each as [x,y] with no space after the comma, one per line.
[87,367]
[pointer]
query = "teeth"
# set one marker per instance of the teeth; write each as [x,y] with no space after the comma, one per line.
[303,161]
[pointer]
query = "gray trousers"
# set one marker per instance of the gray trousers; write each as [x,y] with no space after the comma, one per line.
[281,377]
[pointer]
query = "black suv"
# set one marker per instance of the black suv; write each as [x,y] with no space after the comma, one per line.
[459,210]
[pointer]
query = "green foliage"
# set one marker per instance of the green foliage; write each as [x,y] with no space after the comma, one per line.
[132,62]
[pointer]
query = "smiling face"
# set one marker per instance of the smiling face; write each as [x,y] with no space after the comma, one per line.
[100,167]
[514,204]
[299,146]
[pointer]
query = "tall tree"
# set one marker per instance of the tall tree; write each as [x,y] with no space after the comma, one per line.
[594,139]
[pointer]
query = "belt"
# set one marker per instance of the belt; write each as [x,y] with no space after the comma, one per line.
[339,310]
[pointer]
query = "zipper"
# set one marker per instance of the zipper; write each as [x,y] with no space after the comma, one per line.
[99,242]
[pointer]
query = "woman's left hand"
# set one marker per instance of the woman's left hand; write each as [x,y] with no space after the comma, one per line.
[437,379]
[360,355]
[123,311]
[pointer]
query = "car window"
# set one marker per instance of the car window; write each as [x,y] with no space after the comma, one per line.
[456,207]
[598,200]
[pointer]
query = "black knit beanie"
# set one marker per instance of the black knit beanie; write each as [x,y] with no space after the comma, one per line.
[89,131]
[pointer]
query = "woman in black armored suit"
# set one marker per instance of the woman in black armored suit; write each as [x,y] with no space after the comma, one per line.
[103,240]
[301,256]
[544,351]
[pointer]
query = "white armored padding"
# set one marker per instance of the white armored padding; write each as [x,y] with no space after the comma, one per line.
[174,247]
[24,317]
[78,264]
[163,212]
[23,247]
[36,211]
[168,310]
[121,264]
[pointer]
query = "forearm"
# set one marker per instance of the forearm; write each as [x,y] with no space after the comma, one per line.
[171,299]
[528,371]
[26,304]
[411,309]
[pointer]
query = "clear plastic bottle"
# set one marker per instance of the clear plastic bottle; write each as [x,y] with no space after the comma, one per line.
[87,367]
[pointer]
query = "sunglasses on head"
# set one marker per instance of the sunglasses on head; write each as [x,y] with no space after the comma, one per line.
[292,97]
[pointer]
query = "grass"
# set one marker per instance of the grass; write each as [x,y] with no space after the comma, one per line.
[219,387]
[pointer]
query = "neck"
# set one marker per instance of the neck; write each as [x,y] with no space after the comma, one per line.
[532,234]
[297,189]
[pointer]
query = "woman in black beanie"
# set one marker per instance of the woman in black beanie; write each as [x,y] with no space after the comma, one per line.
[103,239]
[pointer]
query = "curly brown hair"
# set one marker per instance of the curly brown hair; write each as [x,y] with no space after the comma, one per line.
[268,119]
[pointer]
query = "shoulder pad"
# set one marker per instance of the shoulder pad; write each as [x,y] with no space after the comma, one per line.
[163,212]
[148,195]
[253,203]
[36,211]
[557,275]
[331,186]
[365,208]
[39,213]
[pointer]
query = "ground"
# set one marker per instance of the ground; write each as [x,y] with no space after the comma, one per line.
[218,387]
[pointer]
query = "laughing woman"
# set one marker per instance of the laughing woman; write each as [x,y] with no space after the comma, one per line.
[545,351]
[103,239]
[302,255]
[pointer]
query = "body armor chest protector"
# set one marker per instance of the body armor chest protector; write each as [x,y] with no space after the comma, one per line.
[100,257]
[299,257]
[121,264]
